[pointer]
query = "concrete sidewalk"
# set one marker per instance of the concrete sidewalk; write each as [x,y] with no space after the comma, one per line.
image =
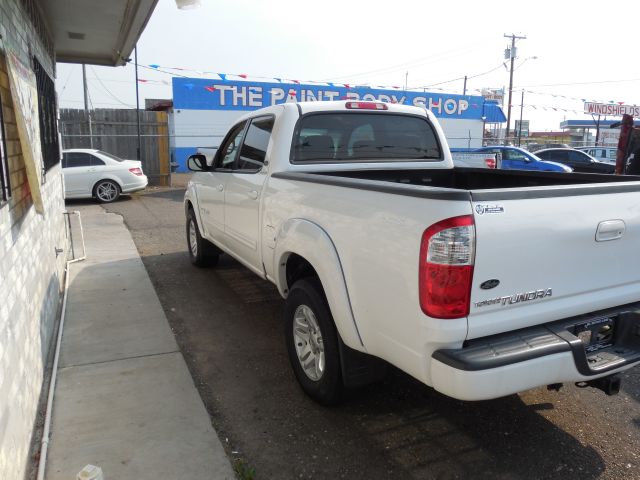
[125,400]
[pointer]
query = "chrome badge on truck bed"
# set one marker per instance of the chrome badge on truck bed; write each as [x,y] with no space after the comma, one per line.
[516,298]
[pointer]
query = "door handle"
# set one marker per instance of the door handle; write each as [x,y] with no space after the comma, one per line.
[220,188]
[253,195]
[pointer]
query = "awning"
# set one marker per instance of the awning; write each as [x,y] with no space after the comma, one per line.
[98,32]
[492,113]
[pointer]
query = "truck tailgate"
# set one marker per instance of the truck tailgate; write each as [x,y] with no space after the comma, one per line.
[543,255]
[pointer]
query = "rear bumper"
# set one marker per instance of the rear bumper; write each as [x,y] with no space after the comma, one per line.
[135,184]
[508,363]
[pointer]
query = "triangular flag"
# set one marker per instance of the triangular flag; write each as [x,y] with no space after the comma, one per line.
[243,75]
[279,80]
[223,76]
[210,89]
[154,66]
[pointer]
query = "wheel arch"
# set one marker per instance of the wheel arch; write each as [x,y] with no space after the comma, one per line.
[107,177]
[303,248]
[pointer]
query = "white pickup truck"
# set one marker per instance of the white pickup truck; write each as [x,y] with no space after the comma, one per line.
[478,282]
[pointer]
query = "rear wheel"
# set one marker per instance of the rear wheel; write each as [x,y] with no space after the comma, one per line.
[312,342]
[106,191]
[202,253]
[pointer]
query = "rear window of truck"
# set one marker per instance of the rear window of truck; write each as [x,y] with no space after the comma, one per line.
[364,137]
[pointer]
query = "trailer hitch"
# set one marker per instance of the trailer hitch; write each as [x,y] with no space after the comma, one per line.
[609,385]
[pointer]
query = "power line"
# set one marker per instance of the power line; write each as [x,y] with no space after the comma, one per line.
[460,78]
[109,91]
[412,63]
[579,83]
[66,82]
[164,71]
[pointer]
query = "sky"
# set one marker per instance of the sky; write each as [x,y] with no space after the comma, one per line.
[573,51]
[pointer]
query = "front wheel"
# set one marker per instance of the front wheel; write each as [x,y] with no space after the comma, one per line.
[106,191]
[312,342]
[201,252]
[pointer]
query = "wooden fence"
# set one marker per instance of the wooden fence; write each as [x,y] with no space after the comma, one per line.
[116,131]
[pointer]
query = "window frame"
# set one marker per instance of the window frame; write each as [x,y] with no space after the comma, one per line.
[47,116]
[250,121]
[298,129]
[219,153]
[87,154]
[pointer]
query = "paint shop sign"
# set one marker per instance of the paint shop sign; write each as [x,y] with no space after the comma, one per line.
[201,94]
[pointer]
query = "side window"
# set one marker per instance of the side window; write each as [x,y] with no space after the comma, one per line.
[229,149]
[95,161]
[254,147]
[76,159]
[514,155]
[578,157]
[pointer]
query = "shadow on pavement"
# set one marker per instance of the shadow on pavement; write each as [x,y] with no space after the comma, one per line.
[176,195]
[227,323]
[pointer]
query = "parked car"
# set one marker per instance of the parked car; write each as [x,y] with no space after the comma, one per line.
[603,154]
[477,282]
[579,161]
[515,158]
[534,147]
[93,173]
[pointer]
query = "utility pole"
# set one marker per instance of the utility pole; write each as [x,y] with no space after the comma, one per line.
[464,88]
[512,55]
[135,53]
[87,112]
[521,106]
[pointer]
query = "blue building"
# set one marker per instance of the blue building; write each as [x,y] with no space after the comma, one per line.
[204,109]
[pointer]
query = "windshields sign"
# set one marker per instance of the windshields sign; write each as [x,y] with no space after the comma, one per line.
[611,109]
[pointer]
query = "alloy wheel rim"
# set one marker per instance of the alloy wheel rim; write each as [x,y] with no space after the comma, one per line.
[107,191]
[308,342]
[193,239]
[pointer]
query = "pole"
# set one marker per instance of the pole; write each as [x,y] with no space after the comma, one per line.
[597,130]
[512,54]
[87,112]
[135,52]
[464,88]
[406,80]
[521,106]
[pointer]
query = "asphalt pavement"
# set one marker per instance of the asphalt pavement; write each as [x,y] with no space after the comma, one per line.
[228,327]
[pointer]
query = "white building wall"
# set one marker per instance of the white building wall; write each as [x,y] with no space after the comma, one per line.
[31,274]
[462,133]
[202,128]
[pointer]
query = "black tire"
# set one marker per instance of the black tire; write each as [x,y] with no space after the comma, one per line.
[106,191]
[328,387]
[202,253]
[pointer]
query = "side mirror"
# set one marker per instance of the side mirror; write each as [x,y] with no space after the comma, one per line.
[197,163]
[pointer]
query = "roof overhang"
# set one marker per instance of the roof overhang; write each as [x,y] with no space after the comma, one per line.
[97,32]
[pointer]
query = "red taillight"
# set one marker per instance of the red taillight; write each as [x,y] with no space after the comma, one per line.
[446,267]
[490,162]
[366,106]
[136,171]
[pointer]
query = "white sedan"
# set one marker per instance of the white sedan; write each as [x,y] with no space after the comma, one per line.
[93,173]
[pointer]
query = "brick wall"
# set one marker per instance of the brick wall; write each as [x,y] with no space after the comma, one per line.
[31,275]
